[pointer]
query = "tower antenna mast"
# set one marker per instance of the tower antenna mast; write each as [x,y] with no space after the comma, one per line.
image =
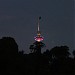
[39,23]
[38,31]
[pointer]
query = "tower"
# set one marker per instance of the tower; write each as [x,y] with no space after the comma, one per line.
[38,38]
[37,45]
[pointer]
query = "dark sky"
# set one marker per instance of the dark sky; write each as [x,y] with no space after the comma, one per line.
[18,19]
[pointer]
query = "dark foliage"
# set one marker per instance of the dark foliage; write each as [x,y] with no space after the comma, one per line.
[52,62]
[36,47]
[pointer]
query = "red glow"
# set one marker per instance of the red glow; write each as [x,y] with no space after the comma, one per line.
[38,38]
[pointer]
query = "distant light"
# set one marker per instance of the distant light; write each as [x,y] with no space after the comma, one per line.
[38,38]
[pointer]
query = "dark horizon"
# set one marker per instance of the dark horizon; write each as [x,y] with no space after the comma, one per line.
[56,61]
[8,41]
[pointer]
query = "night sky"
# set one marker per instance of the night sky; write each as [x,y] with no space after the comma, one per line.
[18,19]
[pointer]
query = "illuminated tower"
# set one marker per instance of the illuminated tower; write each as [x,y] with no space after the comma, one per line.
[37,45]
[38,38]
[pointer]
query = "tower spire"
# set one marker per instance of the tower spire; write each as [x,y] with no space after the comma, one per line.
[38,31]
[39,23]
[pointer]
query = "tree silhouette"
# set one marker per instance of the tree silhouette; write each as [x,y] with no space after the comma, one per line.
[73,53]
[8,55]
[8,44]
[32,48]
[61,62]
[36,47]
[60,52]
[52,62]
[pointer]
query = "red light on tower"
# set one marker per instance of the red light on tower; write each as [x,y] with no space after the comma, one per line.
[38,38]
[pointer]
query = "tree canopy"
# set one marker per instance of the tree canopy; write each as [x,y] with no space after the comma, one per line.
[56,61]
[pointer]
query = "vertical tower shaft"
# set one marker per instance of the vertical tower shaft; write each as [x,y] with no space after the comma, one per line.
[38,31]
[38,25]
